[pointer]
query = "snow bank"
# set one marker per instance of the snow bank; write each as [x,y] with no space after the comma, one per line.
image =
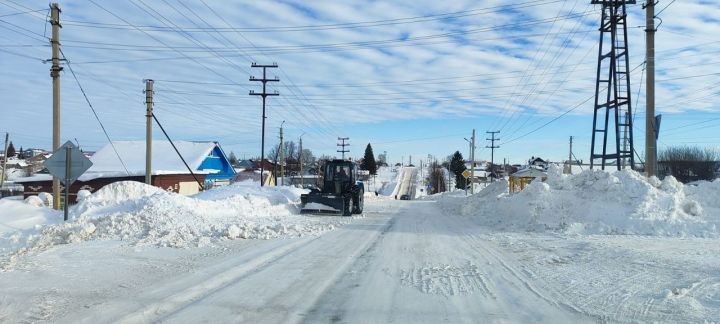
[598,202]
[142,214]
[20,220]
[24,215]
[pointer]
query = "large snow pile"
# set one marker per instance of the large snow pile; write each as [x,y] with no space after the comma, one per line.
[20,220]
[142,214]
[598,202]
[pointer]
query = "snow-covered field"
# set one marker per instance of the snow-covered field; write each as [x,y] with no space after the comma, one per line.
[593,247]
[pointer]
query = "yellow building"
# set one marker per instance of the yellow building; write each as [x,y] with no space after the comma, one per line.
[519,180]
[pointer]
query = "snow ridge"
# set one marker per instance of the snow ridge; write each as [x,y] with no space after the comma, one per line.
[145,215]
[597,202]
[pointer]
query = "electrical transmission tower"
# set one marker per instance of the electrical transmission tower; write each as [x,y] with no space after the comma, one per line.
[612,90]
[343,144]
[264,94]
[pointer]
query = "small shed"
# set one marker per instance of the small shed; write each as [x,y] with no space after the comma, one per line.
[519,180]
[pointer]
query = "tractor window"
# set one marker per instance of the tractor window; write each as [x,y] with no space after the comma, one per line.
[338,173]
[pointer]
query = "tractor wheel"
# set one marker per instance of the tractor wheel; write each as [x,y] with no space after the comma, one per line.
[359,202]
[347,207]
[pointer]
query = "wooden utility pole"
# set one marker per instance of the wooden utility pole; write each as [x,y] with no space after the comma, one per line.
[5,158]
[300,158]
[282,156]
[570,155]
[148,130]
[55,74]
[472,164]
[343,145]
[650,127]
[264,94]
[492,148]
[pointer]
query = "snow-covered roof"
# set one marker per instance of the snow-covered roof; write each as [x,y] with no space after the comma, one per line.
[164,159]
[529,172]
[18,162]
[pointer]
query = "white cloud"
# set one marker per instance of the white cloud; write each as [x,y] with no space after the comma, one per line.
[533,72]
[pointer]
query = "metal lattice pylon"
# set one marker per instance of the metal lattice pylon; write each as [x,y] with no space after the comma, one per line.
[612,90]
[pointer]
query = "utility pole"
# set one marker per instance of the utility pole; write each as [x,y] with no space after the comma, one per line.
[492,148]
[55,74]
[570,155]
[300,158]
[5,158]
[148,130]
[264,94]
[650,127]
[282,156]
[343,150]
[472,164]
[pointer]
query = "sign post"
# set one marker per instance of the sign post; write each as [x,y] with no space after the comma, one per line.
[466,174]
[67,182]
[67,163]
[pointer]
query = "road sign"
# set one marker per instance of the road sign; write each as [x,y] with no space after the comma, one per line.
[67,163]
[56,164]
[466,173]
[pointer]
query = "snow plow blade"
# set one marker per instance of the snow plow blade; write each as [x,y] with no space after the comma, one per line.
[317,203]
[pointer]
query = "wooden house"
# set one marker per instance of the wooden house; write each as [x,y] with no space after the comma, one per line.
[125,161]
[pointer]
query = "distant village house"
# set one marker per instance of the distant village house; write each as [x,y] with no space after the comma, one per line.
[209,164]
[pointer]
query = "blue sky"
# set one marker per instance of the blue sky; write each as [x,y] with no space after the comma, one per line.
[411,77]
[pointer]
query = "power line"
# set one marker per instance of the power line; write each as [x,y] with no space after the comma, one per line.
[366,44]
[94,112]
[365,24]
[21,13]
[548,74]
[534,65]
[663,9]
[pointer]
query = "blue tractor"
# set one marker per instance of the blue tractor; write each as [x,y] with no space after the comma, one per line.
[341,192]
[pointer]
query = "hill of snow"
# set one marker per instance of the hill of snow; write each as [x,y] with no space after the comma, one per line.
[141,214]
[597,202]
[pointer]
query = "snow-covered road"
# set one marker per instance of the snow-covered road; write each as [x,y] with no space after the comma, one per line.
[407,182]
[403,262]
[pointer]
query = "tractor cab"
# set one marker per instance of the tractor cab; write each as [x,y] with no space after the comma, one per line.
[339,175]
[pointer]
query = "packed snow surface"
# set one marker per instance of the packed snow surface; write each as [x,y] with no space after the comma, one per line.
[598,202]
[490,257]
[141,214]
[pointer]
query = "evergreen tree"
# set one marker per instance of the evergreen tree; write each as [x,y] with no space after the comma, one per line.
[21,154]
[10,151]
[368,162]
[457,166]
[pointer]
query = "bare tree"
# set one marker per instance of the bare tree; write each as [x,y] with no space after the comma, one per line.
[688,163]
[436,179]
